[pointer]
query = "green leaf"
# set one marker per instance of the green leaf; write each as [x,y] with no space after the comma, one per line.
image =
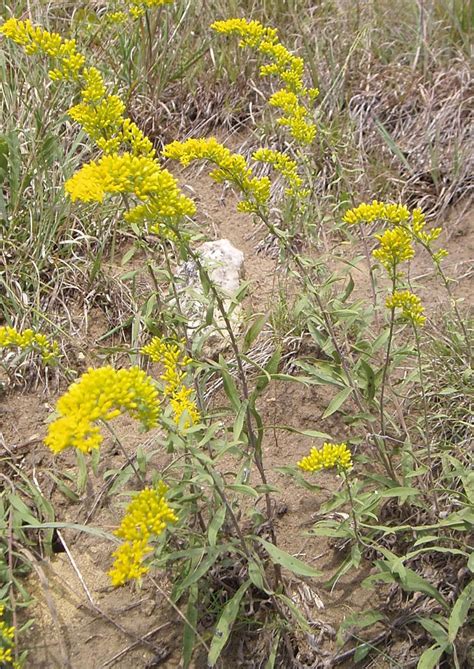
[288,561]
[470,563]
[229,386]
[369,379]
[189,632]
[362,651]
[460,611]
[436,630]
[244,489]
[253,331]
[198,573]
[430,657]
[225,624]
[239,420]
[216,524]
[257,573]
[337,402]
[360,620]
[270,368]
[402,492]
[270,664]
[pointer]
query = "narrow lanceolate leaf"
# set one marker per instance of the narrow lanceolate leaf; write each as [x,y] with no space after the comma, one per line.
[288,561]
[215,525]
[225,624]
[254,330]
[337,402]
[189,633]
[460,611]
[430,657]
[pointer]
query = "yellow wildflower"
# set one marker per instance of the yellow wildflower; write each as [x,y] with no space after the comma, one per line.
[138,7]
[116,17]
[439,255]
[327,457]
[94,86]
[34,40]
[7,637]
[409,303]
[139,143]
[231,167]
[182,404]
[116,173]
[100,120]
[147,515]
[395,247]
[283,164]
[29,340]
[128,562]
[101,394]
[294,98]
[171,356]
[377,211]
[397,214]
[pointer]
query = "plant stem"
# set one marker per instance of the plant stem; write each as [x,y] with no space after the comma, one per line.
[426,430]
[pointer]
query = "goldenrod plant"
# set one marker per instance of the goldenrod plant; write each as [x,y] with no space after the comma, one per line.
[209,516]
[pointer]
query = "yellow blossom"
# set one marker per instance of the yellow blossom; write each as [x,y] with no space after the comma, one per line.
[395,247]
[100,120]
[29,340]
[294,99]
[7,637]
[139,143]
[94,86]
[171,356]
[146,516]
[116,17]
[409,303]
[101,394]
[182,404]
[128,563]
[283,164]
[231,167]
[439,255]
[327,457]
[138,7]
[377,211]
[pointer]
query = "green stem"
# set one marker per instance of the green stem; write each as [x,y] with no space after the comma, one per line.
[426,430]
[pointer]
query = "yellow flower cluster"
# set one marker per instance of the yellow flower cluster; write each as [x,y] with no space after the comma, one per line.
[7,636]
[397,214]
[101,394]
[139,7]
[116,17]
[100,115]
[294,99]
[135,9]
[285,165]
[171,356]
[231,167]
[327,457]
[409,303]
[395,247]
[101,120]
[34,40]
[377,211]
[136,172]
[29,340]
[147,515]
[417,225]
